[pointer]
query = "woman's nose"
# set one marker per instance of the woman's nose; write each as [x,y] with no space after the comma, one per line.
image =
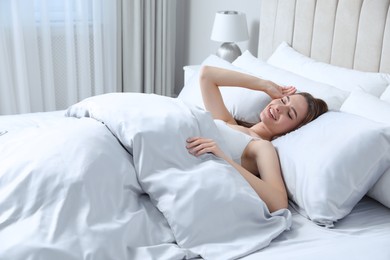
[280,108]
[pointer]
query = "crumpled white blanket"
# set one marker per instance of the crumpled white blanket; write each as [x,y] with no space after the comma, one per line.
[121,185]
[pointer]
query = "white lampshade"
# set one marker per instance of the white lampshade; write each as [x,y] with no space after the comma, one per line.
[230,26]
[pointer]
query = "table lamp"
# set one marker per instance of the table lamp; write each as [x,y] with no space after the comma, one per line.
[229,27]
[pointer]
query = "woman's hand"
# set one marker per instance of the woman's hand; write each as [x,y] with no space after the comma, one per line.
[276,91]
[198,146]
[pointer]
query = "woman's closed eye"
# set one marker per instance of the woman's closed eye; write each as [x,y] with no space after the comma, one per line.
[290,112]
[289,115]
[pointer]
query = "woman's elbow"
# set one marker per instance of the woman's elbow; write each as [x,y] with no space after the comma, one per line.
[284,204]
[280,203]
[274,208]
[205,72]
[207,79]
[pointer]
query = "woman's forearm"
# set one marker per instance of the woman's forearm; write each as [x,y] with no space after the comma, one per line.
[211,78]
[272,197]
[224,77]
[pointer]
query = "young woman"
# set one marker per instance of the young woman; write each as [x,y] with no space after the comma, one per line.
[258,161]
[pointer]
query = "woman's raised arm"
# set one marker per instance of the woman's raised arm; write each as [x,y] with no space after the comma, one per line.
[212,77]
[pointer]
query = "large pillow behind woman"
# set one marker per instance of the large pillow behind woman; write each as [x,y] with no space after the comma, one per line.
[246,104]
[370,107]
[331,163]
[333,96]
[287,58]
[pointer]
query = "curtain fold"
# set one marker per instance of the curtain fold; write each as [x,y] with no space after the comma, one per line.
[55,53]
[149,33]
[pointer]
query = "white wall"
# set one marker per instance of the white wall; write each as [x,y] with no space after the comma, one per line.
[194,22]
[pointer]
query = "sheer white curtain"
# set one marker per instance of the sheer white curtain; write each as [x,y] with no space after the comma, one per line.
[149,33]
[54,53]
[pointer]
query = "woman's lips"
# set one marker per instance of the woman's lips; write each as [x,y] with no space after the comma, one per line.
[271,113]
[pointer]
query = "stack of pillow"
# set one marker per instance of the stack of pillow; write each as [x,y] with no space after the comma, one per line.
[331,163]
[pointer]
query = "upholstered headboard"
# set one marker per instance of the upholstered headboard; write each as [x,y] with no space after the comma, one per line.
[348,33]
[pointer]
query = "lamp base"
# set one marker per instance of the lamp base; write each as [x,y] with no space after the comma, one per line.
[229,51]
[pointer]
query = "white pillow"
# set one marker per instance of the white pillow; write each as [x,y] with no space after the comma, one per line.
[244,104]
[287,58]
[380,191]
[368,106]
[332,96]
[331,163]
[386,95]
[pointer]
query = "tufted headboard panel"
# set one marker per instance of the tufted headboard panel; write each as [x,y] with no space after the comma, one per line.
[349,33]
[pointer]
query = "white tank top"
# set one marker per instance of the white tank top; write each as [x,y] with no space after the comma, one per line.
[235,140]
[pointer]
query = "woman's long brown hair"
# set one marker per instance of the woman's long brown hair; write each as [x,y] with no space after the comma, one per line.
[316,107]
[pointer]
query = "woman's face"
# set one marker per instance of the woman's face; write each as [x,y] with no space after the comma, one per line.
[285,114]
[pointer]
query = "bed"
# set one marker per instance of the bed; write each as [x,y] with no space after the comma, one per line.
[110,178]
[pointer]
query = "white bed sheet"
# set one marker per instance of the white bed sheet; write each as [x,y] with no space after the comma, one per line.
[44,235]
[11,122]
[363,234]
[94,203]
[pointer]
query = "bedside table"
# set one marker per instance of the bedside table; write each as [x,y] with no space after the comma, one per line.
[189,71]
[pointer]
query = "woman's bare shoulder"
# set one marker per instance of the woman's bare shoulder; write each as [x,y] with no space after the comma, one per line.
[257,146]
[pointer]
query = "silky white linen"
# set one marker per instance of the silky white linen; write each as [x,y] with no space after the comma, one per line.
[333,96]
[386,95]
[368,106]
[371,107]
[331,163]
[287,58]
[380,191]
[211,209]
[363,234]
[13,122]
[69,189]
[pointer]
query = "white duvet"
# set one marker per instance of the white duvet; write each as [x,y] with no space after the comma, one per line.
[113,180]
